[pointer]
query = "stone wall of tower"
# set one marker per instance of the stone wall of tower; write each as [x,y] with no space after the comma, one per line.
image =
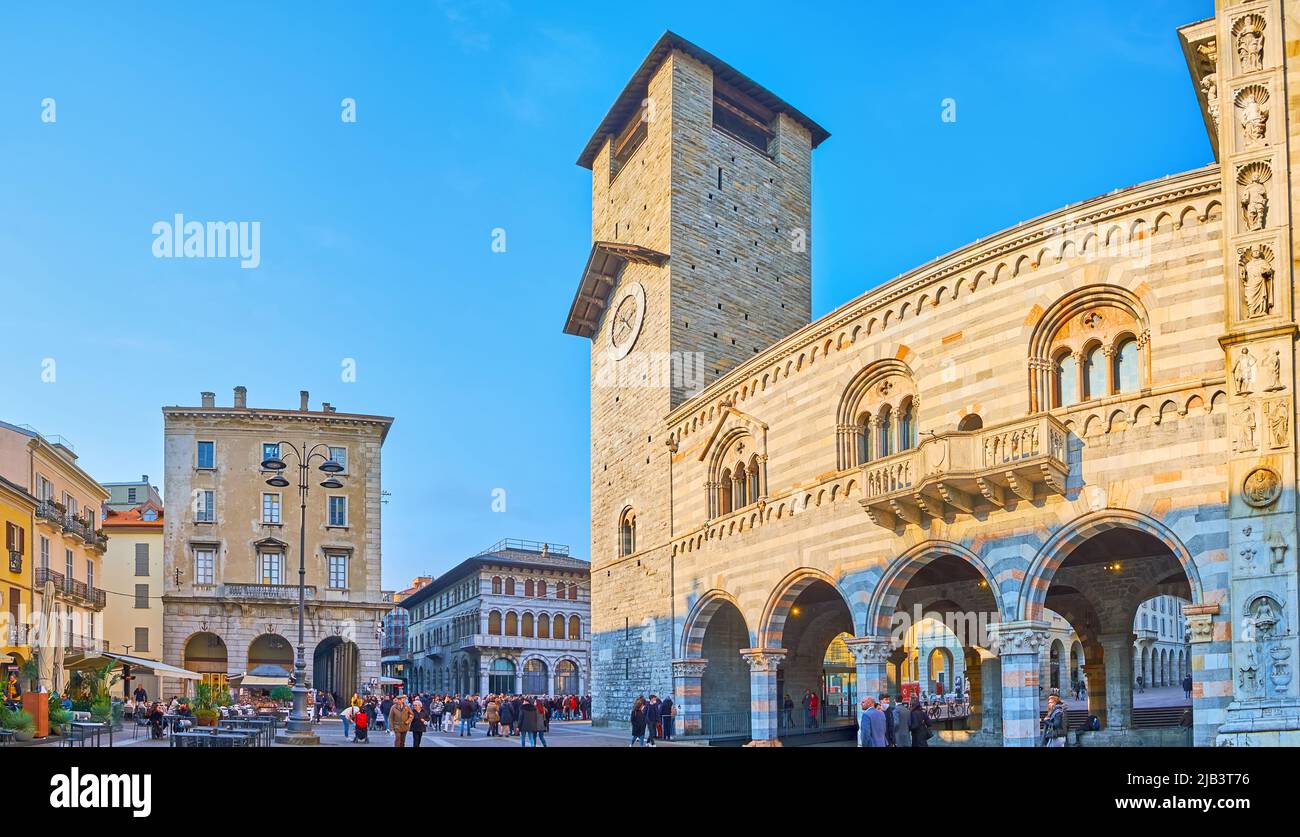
[741,232]
[628,460]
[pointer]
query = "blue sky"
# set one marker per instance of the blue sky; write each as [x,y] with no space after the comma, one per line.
[376,236]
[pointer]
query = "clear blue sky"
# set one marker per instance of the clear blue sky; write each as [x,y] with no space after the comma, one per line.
[376,236]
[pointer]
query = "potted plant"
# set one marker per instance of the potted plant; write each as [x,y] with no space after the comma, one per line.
[31,670]
[205,705]
[18,721]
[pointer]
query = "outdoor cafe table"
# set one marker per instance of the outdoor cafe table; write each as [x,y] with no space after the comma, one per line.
[230,738]
[263,727]
[87,728]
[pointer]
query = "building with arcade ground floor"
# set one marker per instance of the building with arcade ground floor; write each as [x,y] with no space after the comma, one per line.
[1067,419]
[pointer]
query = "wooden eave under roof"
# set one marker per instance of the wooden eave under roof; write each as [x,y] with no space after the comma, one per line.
[605,263]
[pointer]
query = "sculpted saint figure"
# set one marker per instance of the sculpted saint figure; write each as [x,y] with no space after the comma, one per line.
[1250,50]
[1273,370]
[1254,202]
[1257,282]
[1246,429]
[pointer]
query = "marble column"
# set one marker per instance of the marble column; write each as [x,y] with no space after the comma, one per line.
[1117,656]
[871,654]
[688,677]
[764,699]
[1019,646]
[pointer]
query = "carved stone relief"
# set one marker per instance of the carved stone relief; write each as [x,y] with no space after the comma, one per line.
[1246,429]
[1277,419]
[1262,487]
[1243,372]
[1210,87]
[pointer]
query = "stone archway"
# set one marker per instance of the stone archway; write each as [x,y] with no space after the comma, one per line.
[205,654]
[1107,563]
[336,668]
[804,615]
[710,679]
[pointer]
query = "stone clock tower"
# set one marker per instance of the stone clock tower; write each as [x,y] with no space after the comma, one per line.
[701,258]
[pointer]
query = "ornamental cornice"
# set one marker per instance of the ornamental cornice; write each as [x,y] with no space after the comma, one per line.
[765,660]
[689,667]
[868,650]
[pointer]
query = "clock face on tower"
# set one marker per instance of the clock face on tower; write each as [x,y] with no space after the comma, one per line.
[626,319]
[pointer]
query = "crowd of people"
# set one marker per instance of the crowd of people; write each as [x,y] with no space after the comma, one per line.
[527,717]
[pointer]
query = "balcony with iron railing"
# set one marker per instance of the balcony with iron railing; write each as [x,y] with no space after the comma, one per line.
[51,514]
[17,635]
[15,561]
[968,472]
[70,589]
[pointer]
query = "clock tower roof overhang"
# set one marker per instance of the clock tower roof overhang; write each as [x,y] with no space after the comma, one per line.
[606,262]
[625,106]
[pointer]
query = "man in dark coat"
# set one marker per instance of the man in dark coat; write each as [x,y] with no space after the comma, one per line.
[887,707]
[508,717]
[653,712]
[666,713]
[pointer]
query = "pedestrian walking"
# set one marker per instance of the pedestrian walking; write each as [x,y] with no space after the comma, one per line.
[418,722]
[887,709]
[653,715]
[638,723]
[918,724]
[492,714]
[399,720]
[1187,686]
[530,723]
[668,712]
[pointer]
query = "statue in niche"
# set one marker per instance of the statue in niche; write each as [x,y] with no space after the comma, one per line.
[1243,372]
[1273,370]
[1249,34]
[1255,268]
[1252,102]
[1253,180]
[1279,422]
[1246,429]
[1210,88]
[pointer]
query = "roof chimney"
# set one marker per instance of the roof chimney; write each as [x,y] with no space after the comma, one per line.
[302,400]
[325,407]
[241,398]
[209,399]
[144,478]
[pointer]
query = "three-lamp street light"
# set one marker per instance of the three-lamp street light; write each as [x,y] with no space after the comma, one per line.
[298,730]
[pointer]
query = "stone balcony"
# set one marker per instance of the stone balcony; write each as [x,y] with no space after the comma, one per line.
[967,472]
[266,592]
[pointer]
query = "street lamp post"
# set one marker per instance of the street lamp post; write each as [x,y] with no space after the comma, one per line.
[298,730]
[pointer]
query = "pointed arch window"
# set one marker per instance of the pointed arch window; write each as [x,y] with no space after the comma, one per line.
[740,486]
[755,490]
[724,493]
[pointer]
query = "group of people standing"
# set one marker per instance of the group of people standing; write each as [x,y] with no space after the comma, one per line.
[652,719]
[525,716]
[881,724]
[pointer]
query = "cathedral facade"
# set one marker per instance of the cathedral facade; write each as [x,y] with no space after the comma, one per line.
[1066,419]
